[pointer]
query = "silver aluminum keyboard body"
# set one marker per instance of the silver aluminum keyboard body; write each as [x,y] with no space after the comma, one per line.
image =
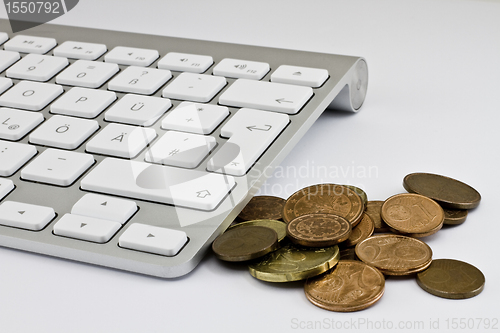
[345,89]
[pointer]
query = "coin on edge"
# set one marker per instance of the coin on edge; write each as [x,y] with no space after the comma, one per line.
[325,199]
[318,230]
[360,232]
[450,278]
[454,216]
[449,192]
[373,209]
[262,207]
[242,244]
[351,286]
[414,214]
[278,226]
[395,254]
[293,263]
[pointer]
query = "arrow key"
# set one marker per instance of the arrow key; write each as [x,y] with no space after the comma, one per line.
[25,216]
[148,238]
[86,228]
[104,207]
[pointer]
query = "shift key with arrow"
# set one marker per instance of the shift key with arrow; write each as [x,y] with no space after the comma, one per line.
[271,96]
[25,216]
[250,133]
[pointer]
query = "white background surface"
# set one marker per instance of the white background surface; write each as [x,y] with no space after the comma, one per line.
[433,105]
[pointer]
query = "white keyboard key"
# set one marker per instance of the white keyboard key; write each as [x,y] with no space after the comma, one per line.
[3,37]
[80,50]
[250,133]
[181,149]
[184,62]
[37,67]
[5,84]
[13,156]
[7,58]
[157,183]
[86,228]
[242,69]
[138,110]
[6,186]
[15,124]
[64,132]
[266,96]
[121,140]
[57,167]
[87,74]
[195,117]
[131,56]
[104,207]
[140,80]
[29,95]
[83,102]
[194,87]
[25,216]
[302,76]
[152,239]
[30,44]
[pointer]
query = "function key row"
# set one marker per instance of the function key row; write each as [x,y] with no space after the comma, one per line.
[232,68]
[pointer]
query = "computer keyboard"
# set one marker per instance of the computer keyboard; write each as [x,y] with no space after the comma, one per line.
[135,151]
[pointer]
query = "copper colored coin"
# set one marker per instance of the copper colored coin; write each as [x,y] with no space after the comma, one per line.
[241,244]
[348,254]
[278,226]
[394,254]
[373,209]
[451,279]
[262,207]
[350,286]
[318,230]
[447,191]
[454,216]
[360,232]
[325,199]
[413,214]
[360,192]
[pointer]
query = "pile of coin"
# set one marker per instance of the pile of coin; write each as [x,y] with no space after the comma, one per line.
[324,234]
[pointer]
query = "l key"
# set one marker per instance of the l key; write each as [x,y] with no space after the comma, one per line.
[250,132]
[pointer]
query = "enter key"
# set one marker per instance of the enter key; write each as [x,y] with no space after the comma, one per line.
[250,133]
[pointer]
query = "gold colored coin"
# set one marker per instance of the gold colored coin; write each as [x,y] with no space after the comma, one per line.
[395,254]
[449,192]
[360,192]
[373,209]
[263,207]
[318,230]
[350,286]
[362,231]
[278,226]
[294,263]
[453,279]
[325,199]
[242,244]
[413,214]
[454,216]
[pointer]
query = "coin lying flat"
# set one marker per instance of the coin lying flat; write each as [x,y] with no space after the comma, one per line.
[412,214]
[395,254]
[351,286]
[318,230]
[360,232]
[325,199]
[373,209]
[454,216]
[360,192]
[294,263]
[450,278]
[263,207]
[241,244]
[449,192]
[278,226]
